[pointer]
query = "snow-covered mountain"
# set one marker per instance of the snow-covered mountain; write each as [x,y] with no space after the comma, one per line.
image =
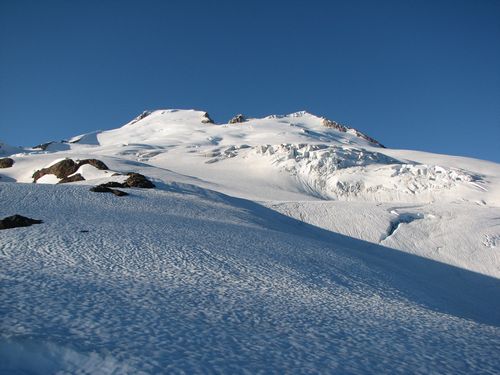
[306,167]
[285,242]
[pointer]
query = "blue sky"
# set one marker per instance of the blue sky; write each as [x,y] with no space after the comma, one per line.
[413,74]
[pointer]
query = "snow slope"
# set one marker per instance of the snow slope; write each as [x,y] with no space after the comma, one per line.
[184,279]
[281,160]
[283,244]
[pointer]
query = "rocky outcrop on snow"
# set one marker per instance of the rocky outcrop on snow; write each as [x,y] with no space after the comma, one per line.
[206,119]
[135,180]
[93,162]
[17,221]
[104,189]
[114,184]
[141,116]
[43,146]
[138,180]
[62,169]
[6,162]
[237,119]
[65,168]
[334,125]
[73,178]
[342,128]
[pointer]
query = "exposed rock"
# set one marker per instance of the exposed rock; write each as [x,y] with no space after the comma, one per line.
[17,221]
[369,139]
[93,162]
[6,162]
[237,119]
[114,184]
[100,189]
[67,167]
[62,169]
[73,178]
[334,125]
[134,180]
[141,116]
[138,180]
[104,189]
[118,193]
[206,119]
[43,146]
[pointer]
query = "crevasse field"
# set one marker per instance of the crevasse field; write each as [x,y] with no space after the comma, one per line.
[287,244]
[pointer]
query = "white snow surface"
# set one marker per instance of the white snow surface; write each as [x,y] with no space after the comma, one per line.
[274,245]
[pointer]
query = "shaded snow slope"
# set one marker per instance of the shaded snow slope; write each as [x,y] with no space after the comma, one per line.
[465,235]
[183,279]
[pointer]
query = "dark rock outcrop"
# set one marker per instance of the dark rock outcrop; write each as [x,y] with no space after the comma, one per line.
[74,178]
[104,189]
[118,193]
[6,162]
[138,180]
[62,169]
[141,116]
[67,167]
[206,119]
[93,162]
[43,146]
[114,184]
[369,139]
[335,125]
[100,189]
[237,119]
[134,180]
[17,221]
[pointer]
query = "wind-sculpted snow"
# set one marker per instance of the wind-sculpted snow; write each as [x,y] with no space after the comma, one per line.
[186,280]
[191,278]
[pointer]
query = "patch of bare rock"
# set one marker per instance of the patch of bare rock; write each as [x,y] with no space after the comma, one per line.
[65,168]
[6,162]
[238,119]
[17,221]
[341,128]
[105,189]
[206,119]
[136,180]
